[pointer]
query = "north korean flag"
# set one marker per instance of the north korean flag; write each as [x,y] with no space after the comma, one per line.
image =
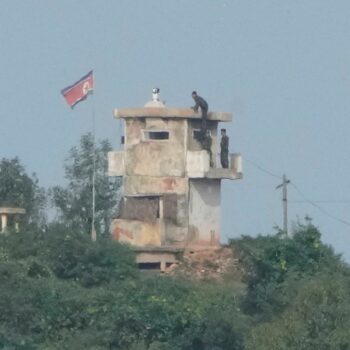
[80,90]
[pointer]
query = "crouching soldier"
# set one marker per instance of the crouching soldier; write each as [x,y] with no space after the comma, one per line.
[203,105]
[206,143]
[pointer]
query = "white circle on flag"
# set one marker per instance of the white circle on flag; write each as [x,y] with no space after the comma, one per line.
[86,87]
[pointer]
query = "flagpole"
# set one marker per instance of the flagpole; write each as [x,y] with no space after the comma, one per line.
[93,230]
[74,94]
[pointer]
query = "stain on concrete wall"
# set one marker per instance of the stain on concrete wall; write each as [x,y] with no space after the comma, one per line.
[137,233]
[135,185]
[133,131]
[175,234]
[170,207]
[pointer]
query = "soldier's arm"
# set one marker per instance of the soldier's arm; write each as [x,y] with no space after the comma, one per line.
[196,106]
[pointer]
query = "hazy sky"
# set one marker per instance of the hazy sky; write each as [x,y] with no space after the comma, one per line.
[281,67]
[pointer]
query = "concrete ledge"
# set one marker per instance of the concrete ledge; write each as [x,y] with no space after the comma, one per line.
[160,256]
[10,210]
[220,173]
[161,249]
[160,112]
[235,172]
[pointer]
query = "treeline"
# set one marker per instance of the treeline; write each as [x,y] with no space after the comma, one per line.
[71,202]
[59,290]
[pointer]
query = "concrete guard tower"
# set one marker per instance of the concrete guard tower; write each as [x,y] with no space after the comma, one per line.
[171,196]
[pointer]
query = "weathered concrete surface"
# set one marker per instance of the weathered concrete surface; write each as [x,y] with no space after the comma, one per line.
[137,233]
[221,173]
[163,257]
[116,164]
[197,163]
[136,185]
[155,157]
[175,235]
[167,112]
[236,163]
[140,208]
[204,212]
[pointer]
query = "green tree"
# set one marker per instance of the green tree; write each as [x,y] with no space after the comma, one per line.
[74,202]
[317,317]
[18,189]
[72,256]
[269,263]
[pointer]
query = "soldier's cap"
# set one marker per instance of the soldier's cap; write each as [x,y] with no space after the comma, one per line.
[194,92]
[224,130]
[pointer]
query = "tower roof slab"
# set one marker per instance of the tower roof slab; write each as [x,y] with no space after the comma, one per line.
[11,210]
[169,112]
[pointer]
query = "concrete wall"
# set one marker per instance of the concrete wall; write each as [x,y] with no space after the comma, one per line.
[136,185]
[189,208]
[137,233]
[204,211]
[197,163]
[155,157]
[116,166]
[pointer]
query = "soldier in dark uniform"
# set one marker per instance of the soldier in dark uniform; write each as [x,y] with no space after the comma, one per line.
[206,144]
[224,149]
[202,103]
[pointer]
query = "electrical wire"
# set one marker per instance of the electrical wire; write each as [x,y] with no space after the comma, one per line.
[318,207]
[262,169]
[313,203]
[321,201]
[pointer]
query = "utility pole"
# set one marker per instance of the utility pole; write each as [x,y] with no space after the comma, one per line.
[284,201]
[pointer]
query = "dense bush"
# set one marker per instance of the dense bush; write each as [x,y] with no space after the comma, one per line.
[59,290]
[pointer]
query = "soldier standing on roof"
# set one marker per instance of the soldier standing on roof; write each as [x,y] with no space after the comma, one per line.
[202,103]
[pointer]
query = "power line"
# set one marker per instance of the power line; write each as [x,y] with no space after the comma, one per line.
[313,203]
[262,169]
[318,207]
[322,201]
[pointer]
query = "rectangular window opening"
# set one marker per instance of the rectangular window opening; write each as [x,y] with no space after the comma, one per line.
[149,266]
[156,135]
[197,133]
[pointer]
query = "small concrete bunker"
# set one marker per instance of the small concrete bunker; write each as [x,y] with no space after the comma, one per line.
[171,196]
[10,215]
